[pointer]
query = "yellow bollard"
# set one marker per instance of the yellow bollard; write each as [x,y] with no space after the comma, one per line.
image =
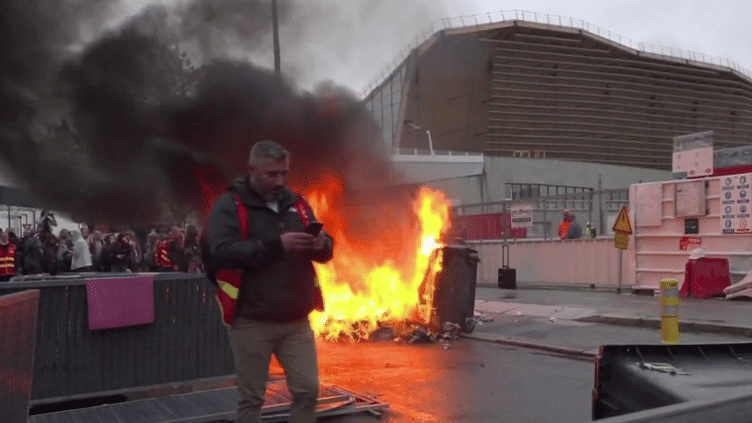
[670,311]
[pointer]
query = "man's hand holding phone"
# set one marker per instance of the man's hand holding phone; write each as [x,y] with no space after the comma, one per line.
[314,238]
[319,240]
[314,228]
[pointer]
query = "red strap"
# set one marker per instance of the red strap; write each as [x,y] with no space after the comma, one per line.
[242,217]
[302,208]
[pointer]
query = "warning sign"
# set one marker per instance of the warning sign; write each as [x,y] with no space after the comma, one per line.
[622,222]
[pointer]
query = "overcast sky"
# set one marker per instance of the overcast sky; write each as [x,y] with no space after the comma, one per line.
[350,42]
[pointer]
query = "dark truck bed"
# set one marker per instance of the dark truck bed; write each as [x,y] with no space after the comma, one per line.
[631,378]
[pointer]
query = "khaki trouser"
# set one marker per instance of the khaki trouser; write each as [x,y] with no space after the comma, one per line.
[253,343]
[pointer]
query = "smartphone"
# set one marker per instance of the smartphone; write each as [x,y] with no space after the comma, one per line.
[314,228]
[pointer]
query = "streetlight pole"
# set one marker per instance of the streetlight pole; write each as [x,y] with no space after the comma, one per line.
[428,132]
[275,33]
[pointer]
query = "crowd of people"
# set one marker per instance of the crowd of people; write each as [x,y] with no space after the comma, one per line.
[39,251]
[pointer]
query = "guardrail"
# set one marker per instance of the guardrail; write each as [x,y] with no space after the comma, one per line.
[186,342]
[549,19]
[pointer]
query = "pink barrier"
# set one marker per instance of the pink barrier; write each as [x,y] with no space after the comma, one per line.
[120,302]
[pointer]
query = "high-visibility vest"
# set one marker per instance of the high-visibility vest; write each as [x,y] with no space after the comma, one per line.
[162,254]
[8,260]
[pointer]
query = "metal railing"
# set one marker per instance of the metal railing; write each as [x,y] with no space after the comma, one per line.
[422,152]
[549,19]
[594,205]
[518,191]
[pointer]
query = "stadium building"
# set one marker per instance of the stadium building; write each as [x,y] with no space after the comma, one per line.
[523,99]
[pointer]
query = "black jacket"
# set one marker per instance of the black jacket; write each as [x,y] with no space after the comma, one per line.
[30,255]
[277,286]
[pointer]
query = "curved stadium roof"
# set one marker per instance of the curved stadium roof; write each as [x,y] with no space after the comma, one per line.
[558,86]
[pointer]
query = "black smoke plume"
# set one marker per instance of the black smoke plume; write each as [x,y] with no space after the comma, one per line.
[127,130]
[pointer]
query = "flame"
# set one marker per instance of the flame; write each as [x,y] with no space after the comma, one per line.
[380,264]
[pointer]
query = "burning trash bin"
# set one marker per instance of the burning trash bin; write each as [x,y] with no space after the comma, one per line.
[451,291]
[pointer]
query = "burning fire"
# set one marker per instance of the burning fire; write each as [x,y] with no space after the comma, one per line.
[376,276]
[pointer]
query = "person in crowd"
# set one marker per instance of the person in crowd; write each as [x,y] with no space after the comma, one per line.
[64,251]
[278,288]
[169,252]
[51,254]
[12,237]
[192,251]
[590,231]
[122,254]
[96,246]
[45,224]
[139,237]
[148,263]
[7,257]
[81,258]
[106,257]
[30,254]
[136,255]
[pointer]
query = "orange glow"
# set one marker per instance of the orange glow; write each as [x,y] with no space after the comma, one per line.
[379,263]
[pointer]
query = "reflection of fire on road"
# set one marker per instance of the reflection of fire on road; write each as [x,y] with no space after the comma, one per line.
[379,264]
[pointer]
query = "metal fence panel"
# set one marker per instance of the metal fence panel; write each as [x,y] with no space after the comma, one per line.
[187,341]
[18,318]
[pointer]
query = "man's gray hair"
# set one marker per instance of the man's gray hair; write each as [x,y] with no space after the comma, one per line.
[263,150]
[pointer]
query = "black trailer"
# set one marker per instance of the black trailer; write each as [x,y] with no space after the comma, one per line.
[633,378]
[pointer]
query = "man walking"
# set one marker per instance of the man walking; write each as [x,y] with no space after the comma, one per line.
[564,224]
[278,283]
[569,228]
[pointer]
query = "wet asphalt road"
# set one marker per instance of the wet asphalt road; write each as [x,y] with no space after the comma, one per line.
[479,381]
[470,381]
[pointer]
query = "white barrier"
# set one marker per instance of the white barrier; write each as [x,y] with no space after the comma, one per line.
[570,262]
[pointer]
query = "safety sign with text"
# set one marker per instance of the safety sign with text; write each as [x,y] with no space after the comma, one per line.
[522,215]
[735,204]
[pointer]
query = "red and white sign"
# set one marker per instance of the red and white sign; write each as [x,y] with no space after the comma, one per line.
[689,243]
[522,215]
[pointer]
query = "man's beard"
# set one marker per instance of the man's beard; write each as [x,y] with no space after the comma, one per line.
[268,195]
[273,196]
